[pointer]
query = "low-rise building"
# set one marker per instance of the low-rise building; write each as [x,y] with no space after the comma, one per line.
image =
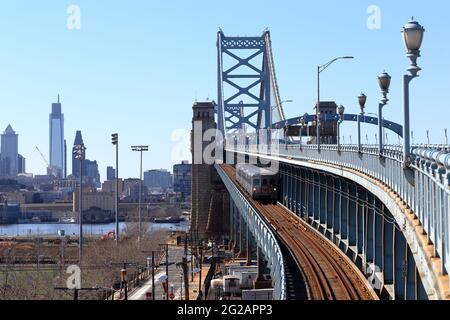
[9,213]
[100,200]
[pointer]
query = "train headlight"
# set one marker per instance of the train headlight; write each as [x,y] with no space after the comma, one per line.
[254,189]
[275,189]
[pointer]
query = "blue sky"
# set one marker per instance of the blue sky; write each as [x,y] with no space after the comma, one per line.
[136,67]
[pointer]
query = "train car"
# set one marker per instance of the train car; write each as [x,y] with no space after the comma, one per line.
[260,183]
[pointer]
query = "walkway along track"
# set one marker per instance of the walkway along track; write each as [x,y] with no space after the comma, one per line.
[327,273]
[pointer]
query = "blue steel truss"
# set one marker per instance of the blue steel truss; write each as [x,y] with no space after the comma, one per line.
[253,111]
[395,127]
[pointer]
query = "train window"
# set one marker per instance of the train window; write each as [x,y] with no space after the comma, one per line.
[256,182]
[264,182]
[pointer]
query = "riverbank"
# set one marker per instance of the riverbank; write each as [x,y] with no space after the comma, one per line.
[50,229]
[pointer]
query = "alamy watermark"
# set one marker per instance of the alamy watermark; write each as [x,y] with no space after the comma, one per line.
[74,17]
[74,280]
[374,19]
[211,147]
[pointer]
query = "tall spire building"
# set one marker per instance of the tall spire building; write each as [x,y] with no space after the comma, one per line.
[9,153]
[75,161]
[57,140]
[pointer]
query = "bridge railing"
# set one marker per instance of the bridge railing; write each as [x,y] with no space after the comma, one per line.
[263,235]
[424,186]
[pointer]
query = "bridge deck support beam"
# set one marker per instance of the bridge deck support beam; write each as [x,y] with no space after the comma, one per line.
[232,226]
[353,217]
[400,265]
[243,231]
[388,260]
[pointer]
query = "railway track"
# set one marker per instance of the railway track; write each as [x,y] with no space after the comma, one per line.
[326,272]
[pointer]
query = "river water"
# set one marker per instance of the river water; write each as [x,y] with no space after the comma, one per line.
[72,229]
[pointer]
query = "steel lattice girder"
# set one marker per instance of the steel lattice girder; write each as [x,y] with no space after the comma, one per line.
[233,115]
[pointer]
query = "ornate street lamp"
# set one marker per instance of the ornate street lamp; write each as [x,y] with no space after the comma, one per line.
[412,37]
[384,81]
[362,98]
[340,111]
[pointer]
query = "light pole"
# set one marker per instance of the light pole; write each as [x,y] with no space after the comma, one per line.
[362,103]
[80,152]
[340,111]
[412,37]
[384,81]
[302,123]
[140,149]
[115,142]
[446,137]
[321,69]
[181,287]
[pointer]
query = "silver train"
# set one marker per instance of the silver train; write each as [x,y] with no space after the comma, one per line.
[260,183]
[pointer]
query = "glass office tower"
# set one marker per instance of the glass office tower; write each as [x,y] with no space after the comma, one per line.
[9,153]
[57,140]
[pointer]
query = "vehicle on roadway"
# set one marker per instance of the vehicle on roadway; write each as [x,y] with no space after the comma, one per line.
[259,183]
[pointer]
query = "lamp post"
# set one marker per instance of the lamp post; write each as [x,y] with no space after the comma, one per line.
[384,81]
[302,123]
[80,152]
[340,111]
[362,98]
[446,138]
[412,37]
[115,142]
[321,69]
[140,149]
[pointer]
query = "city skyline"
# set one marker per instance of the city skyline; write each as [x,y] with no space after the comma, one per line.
[107,87]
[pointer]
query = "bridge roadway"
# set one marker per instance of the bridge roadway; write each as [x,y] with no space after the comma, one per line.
[327,273]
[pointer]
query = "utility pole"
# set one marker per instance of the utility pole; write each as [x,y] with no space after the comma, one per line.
[153,275]
[140,149]
[167,267]
[123,275]
[192,260]
[153,272]
[200,272]
[115,141]
[123,280]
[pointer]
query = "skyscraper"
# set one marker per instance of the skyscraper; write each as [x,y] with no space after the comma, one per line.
[182,179]
[75,161]
[9,153]
[21,167]
[65,159]
[110,173]
[92,175]
[57,140]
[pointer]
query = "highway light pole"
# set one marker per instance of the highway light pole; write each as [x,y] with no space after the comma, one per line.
[321,69]
[115,142]
[79,152]
[412,37]
[140,149]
